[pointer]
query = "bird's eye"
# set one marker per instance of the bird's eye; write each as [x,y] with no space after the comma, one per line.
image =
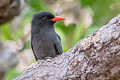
[44,18]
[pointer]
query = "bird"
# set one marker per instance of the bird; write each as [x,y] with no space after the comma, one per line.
[45,42]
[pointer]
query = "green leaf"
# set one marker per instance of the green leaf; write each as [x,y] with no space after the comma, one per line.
[6,33]
[79,33]
[11,74]
[91,30]
[38,5]
[27,45]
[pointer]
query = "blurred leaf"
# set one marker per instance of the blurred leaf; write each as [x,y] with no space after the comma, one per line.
[68,34]
[79,32]
[38,5]
[33,61]
[6,33]
[66,29]
[26,20]
[101,9]
[62,36]
[91,30]
[11,74]
[27,45]
[60,25]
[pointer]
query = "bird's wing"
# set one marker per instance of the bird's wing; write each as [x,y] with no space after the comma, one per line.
[33,51]
[58,46]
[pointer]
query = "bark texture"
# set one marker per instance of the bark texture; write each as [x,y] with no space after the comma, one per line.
[96,57]
[9,9]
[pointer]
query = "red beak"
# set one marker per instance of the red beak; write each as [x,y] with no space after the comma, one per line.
[57,18]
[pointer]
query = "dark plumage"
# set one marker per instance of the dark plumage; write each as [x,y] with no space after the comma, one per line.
[45,42]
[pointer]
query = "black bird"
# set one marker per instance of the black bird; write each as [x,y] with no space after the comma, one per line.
[45,42]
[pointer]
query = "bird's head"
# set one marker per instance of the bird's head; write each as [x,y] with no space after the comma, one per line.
[45,18]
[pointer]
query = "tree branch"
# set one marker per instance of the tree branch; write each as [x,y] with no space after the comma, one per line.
[96,57]
[10,9]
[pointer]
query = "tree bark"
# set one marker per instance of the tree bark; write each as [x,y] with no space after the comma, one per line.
[96,57]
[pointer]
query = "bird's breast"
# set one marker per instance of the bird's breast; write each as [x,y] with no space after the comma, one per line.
[45,36]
